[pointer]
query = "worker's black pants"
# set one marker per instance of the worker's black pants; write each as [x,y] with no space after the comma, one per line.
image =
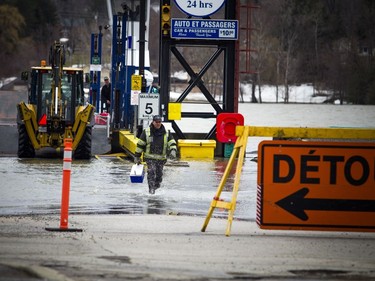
[154,172]
[106,107]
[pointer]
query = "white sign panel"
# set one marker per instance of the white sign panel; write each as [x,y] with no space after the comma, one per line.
[148,105]
[95,67]
[199,8]
[134,97]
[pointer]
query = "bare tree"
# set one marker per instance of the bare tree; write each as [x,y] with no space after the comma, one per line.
[260,43]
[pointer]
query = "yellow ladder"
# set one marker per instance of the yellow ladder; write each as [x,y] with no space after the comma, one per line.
[238,150]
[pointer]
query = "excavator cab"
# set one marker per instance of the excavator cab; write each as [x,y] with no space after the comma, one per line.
[71,94]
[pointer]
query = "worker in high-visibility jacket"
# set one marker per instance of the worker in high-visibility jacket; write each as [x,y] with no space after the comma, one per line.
[156,144]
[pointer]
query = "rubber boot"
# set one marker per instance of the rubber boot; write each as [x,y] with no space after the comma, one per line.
[151,189]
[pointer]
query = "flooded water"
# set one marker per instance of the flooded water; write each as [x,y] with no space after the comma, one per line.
[103,185]
[33,186]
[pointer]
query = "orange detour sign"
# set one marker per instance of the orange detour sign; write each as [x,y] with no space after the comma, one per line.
[316,185]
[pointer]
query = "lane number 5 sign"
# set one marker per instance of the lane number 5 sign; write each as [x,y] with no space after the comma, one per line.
[148,105]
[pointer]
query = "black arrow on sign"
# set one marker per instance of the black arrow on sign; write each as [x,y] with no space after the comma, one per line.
[297,204]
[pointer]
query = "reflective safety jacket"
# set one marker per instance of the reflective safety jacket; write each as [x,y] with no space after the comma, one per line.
[155,143]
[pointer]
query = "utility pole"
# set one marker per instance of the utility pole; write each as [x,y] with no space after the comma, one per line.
[142,42]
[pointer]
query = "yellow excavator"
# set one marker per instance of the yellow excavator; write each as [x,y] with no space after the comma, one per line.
[56,108]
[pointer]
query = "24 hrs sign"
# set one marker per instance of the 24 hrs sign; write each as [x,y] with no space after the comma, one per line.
[316,185]
[199,8]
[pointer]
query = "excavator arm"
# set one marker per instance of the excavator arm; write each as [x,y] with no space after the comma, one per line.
[57,60]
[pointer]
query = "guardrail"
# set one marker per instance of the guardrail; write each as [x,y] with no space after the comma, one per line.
[308,133]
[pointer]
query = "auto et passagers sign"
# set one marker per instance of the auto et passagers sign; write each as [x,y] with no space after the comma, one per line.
[204,29]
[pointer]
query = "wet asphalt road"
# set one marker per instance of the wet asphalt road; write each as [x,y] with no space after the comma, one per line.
[117,246]
[171,247]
